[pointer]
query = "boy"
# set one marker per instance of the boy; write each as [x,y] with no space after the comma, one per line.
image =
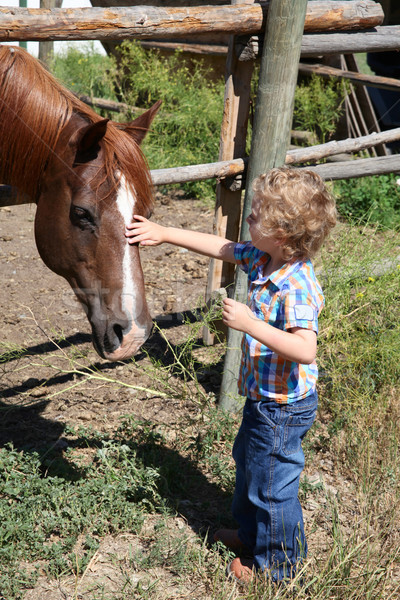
[292,213]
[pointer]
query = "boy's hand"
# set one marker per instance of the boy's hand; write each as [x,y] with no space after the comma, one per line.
[145,232]
[236,315]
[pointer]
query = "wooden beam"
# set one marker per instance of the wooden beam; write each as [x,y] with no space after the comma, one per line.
[313,45]
[384,83]
[380,39]
[230,168]
[321,151]
[202,49]
[111,105]
[46,48]
[232,145]
[362,104]
[145,22]
[362,167]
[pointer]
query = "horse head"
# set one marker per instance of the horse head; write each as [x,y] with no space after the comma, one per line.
[86,199]
[87,176]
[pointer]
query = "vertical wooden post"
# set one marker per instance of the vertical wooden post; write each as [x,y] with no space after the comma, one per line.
[23,4]
[46,49]
[232,145]
[271,136]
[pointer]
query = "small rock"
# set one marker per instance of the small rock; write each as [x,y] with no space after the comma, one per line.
[311,504]
[169,303]
[331,490]
[85,416]
[189,266]
[39,392]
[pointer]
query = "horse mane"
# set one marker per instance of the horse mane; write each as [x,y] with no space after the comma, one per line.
[34,109]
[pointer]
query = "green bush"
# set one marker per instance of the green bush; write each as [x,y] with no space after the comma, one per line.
[84,70]
[374,199]
[187,129]
[318,105]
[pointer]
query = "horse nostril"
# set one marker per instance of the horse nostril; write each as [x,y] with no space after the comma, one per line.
[118,332]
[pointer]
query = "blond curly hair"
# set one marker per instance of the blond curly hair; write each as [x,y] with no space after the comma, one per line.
[295,208]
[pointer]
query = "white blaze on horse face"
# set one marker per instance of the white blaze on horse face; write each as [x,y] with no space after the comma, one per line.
[126,204]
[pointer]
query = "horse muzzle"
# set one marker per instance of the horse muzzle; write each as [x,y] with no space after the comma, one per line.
[115,341]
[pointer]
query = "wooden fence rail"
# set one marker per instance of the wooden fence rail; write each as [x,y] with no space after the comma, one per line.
[144,22]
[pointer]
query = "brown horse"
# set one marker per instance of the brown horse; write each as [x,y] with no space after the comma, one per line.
[87,176]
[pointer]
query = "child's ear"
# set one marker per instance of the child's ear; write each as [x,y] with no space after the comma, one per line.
[279,241]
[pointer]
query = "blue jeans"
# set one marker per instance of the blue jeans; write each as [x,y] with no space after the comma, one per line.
[269,461]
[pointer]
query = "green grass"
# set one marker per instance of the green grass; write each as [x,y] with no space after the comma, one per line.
[186,131]
[372,199]
[85,71]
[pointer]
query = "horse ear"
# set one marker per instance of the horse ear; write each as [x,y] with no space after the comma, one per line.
[138,128]
[88,145]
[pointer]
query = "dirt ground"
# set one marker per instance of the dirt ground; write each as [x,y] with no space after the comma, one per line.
[37,306]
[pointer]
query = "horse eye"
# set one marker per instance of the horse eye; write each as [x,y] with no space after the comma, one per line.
[81,217]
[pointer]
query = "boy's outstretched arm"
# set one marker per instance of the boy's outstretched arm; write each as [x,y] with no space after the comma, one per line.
[147,233]
[297,345]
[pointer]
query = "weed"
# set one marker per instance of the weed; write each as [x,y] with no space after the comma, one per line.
[42,516]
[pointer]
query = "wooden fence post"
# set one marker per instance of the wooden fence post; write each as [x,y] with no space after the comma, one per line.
[232,145]
[272,124]
[46,49]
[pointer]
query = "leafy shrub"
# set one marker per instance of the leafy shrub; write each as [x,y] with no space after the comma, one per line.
[84,70]
[318,106]
[375,199]
[187,129]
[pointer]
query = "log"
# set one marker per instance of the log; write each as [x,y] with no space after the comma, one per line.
[201,49]
[231,168]
[343,146]
[147,22]
[384,83]
[314,45]
[232,145]
[109,104]
[218,170]
[360,100]
[362,167]
[379,40]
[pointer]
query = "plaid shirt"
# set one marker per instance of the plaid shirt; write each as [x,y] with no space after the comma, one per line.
[289,297]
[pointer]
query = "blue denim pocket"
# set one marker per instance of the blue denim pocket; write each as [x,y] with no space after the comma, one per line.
[300,416]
